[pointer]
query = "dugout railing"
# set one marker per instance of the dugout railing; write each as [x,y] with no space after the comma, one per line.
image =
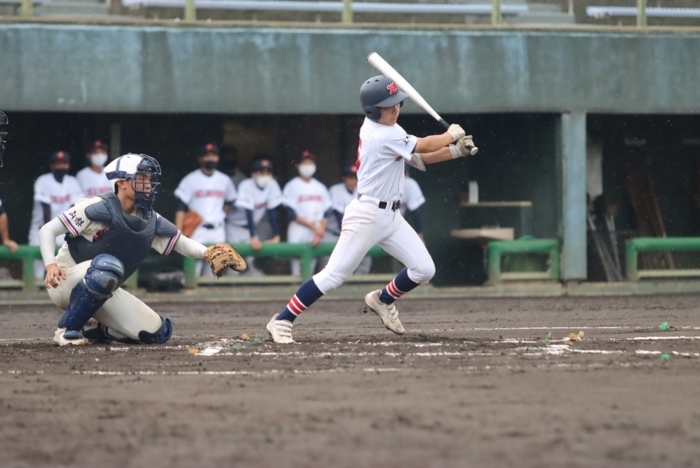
[662,257]
[27,254]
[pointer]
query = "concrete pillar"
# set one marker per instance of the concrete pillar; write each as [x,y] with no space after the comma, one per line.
[572,169]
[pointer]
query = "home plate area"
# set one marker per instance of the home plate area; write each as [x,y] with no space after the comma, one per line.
[474,382]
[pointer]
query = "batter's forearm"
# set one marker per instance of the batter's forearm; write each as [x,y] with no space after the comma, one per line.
[441,155]
[47,239]
[432,143]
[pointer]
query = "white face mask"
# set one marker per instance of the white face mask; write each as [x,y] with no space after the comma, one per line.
[307,170]
[98,159]
[262,181]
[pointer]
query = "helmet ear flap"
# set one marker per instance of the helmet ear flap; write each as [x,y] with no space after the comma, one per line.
[372,112]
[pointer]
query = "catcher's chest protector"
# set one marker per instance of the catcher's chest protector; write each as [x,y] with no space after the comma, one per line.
[129,238]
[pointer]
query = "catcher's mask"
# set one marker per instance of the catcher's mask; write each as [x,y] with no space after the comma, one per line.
[3,135]
[144,171]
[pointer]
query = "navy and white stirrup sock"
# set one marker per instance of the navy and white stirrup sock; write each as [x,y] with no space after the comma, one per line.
[397,288]
[307,294]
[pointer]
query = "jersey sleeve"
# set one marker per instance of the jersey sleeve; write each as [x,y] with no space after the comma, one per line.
[78,191]
[415,195]
[230,194]
[75,219]
[184,191]
[400,143]
[165,244]
[40,193]
[275,198]
[326,196]
[289,196]
[245,200]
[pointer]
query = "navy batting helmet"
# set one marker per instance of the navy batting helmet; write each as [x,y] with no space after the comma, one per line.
[379,91]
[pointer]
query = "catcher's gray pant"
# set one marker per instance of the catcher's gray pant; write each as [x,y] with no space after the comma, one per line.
[123,312]
[366,225]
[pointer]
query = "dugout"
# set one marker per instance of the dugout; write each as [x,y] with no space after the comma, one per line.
[521,166]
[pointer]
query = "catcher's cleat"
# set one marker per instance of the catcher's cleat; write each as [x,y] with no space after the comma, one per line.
[280,330]
[386,312]
[97,333]
[69,337]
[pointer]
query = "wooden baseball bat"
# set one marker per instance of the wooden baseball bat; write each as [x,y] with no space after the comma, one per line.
[385,69]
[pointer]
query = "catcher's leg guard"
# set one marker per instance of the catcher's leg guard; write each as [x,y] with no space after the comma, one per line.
[160,336]
[101,279]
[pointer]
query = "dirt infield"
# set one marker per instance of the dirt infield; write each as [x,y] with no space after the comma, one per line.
[473,383]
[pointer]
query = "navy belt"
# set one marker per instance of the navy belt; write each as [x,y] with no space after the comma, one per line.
[395,205]
[210,226]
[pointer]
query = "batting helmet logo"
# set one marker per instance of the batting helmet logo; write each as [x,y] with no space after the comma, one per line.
[393,89]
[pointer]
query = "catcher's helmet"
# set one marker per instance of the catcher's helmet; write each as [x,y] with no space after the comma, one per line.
[379,91]
[127,167]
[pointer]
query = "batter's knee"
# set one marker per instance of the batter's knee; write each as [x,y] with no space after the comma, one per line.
[160,336]
[422,274]
[327,280]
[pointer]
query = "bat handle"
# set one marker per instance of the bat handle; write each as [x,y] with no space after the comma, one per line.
[443,123]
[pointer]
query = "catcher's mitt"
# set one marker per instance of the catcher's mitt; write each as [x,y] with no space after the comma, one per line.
[191,223]
[222,256]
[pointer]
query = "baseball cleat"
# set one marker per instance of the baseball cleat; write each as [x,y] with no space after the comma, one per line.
[69,337]
[280,330]
[386,312]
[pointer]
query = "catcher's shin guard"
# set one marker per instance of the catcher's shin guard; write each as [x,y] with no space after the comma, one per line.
[160,336]
[101,279]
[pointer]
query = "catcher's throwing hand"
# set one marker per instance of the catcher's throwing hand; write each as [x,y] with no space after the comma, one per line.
[222,256]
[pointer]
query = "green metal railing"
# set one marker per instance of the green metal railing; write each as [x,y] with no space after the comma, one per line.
[27,254]
[497,249]
[634,247]
[303,251]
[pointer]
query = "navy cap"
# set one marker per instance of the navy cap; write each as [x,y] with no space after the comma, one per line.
[97,145]
[350,170]
[262,165]
[307,155]
[59,156]
[208,148]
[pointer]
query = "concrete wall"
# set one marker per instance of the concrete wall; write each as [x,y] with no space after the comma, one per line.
[240,70]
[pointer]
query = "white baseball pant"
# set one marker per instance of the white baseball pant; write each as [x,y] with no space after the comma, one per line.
[363,268]
[366,225]
[207,236]
[298,234]
[123,312]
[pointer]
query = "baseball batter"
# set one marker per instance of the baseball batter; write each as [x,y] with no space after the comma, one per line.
[210,193]
[374,216]
[258,196]
[307,201]
[108,238]
[92,179]
[54,193]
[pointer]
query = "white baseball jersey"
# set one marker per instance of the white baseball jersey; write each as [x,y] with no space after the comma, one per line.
[78,224]
[381,154]
[59,195]
[207,194]
[310,200]
[93,183]
[340,198]
[252,197]
[412,196]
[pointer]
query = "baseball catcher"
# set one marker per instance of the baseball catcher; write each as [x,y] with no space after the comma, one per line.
[107,239]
